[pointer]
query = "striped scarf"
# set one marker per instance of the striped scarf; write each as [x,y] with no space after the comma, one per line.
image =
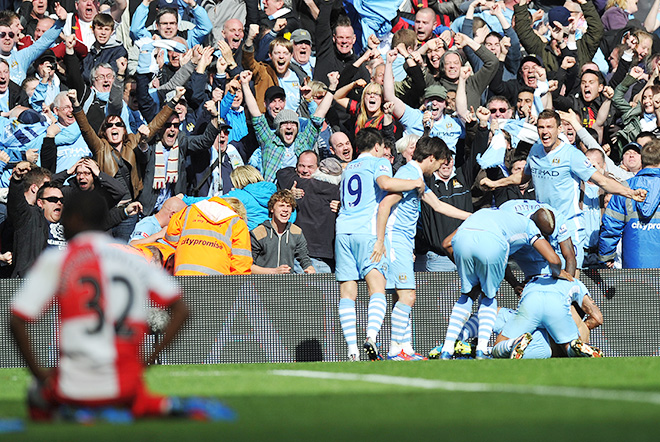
[171,175]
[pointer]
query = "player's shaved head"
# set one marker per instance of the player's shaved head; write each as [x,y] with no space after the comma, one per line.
[87,211]
[544,220]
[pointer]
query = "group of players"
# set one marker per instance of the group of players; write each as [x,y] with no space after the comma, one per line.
[375,238]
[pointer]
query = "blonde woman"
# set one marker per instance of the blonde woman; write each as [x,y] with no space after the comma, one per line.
[371,110]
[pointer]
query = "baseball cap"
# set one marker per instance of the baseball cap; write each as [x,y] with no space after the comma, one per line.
[559,14]
[300,35]
[30,116]
[532,58]
[274,92]
[435,90]
[635,146]
[223,124]
[47,55]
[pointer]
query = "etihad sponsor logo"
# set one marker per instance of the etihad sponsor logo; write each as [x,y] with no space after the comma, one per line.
[544,173]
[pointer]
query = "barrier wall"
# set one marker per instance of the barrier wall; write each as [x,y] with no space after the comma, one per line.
[286,318]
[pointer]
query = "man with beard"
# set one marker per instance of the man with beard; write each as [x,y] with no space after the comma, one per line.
[281,149]
[63,145]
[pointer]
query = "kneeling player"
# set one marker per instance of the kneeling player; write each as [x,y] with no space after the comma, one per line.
[545,304]
[101,292]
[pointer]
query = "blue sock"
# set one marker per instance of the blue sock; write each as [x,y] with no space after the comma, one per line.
[376,314]
[503,349]
[487,314]
[470,329]
[348,320]
[400,316]
[459,316]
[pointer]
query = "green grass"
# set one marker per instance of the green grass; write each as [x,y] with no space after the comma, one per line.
[274,407]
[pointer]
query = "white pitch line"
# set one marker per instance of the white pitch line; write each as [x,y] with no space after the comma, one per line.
[202,373]
[429,384]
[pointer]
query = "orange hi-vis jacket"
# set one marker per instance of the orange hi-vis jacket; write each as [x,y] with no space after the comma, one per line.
[210,239]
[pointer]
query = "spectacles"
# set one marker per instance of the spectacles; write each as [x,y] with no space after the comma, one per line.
[54,199]
[7,34]
[104,77]
[172,124]
[115,124]
[501,110]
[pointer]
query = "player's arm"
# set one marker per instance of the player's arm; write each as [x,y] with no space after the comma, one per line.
[513,281]
[610,185]
[443,208]
[393,185]
[568,252]
[179,315]
[516,178]
[384,209]
[594,315]
[583,330]
[19,330]
[545,249]
[446,244]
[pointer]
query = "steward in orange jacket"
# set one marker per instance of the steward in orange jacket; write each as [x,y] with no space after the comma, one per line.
[210,239]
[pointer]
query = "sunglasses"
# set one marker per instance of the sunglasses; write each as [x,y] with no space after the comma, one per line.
[7,34]
[172,124]
[501,110]
[115,124]
[54,199]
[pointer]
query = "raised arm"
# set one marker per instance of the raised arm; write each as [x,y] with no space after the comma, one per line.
[388,86]
[248,96]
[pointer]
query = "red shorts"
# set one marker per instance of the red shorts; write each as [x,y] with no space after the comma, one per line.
[141,402]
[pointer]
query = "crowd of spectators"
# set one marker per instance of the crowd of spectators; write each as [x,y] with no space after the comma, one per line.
[217,131]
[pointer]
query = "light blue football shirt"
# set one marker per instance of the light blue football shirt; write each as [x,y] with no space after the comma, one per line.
[574,291]
[529,207]
[360,194]
[515,229]
[404,216]
[448,128]
[556,176]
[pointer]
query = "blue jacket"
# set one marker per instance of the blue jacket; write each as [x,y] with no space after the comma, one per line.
[255,198]
[638,224]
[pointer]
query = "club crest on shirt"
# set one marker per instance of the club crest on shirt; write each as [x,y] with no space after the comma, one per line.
[556,161]
[456,183]
[403,277]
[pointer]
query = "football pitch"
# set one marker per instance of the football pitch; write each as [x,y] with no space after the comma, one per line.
[616,399]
